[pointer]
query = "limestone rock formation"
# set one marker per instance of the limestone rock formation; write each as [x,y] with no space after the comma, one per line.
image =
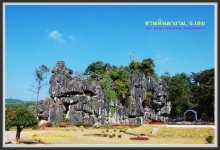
[81,101]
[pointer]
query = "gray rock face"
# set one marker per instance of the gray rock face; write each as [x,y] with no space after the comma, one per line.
[155,109]
[81,101]
[56,114]
[43,108]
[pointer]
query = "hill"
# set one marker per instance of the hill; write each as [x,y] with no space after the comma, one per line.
[13,101]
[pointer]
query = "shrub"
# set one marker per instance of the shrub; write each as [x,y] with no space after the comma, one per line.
[49,124]
[209,139]
[111,136]
[7,128]
[114,130]
[119,136]
[105,135]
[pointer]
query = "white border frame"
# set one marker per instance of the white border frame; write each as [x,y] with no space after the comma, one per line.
[114,3]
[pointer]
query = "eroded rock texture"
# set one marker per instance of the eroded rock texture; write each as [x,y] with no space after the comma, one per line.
[143,108]
[81,101]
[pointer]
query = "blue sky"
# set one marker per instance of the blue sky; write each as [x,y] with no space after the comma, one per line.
[82,34]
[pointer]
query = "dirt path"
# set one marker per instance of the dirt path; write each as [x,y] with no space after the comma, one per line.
[25,135]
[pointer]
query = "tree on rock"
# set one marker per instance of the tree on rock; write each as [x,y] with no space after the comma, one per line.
[146,66]
[95,68]
[19,117]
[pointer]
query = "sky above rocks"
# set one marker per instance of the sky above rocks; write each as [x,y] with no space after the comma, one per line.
[79,34]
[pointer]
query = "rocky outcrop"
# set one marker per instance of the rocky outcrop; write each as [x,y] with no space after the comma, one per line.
[73,99]
[83,101]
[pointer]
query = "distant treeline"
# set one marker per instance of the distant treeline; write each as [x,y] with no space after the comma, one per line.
[13,101]
[26,104]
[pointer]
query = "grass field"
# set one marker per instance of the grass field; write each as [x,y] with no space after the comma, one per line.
[83,136]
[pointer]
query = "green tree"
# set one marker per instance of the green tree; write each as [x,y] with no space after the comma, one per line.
[146,66]
[180,94]
[95,68]
[133,67]
[117,78]
[19,117]
[203,89]
[120,81]
[39,74]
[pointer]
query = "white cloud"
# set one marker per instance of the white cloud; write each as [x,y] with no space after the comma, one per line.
[56,36]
